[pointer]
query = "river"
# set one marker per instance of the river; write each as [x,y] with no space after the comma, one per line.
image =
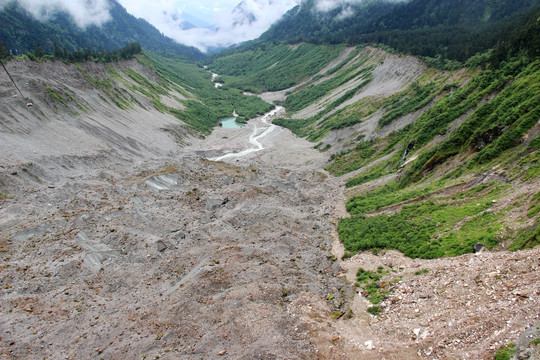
[255,139]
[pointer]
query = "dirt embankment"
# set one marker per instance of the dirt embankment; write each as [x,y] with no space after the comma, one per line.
[82,110]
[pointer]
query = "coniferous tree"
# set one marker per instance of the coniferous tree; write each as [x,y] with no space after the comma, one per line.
[58,53]
[38,53]
[4,53]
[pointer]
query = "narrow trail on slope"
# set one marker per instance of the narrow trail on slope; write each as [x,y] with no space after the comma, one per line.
[254,139]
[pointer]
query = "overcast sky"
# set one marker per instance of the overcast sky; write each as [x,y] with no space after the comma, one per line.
[234,21]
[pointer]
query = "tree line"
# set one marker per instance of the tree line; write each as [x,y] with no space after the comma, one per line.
[450,29]
[127,52]
[20,31]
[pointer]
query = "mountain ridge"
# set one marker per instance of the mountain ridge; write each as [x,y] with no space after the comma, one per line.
[454,30]
[21,31]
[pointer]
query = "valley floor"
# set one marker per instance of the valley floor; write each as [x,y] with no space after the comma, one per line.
[187,258]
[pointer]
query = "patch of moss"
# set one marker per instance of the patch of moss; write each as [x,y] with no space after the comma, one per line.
[505,352]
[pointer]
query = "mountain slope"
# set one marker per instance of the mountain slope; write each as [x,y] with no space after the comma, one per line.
[400,131]
[135,108]
[452,29]
[86,110]
[20,31]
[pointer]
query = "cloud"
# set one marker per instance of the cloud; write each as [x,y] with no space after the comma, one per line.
[247,21]
[231,24]
[83,12]
[345,5]
[329,5]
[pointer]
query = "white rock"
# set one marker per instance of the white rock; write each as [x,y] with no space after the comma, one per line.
[369,345]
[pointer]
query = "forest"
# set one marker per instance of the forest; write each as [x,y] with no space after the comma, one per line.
[21,32]
[454,30]
[127,52]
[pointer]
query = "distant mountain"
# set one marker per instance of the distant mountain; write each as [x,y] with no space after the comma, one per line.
[20,31]
[191,21]
[454,29]
[242,15]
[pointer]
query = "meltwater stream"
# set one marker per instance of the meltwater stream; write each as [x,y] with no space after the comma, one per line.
[254,139]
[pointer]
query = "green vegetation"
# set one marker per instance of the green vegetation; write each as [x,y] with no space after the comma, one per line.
[127,52]
[370,282]
[60,35]
[64,99]
[315,129]
[502,105]
[373,288]
[218,103]
[202,104]
[383,168]
[527,238]
[374,310]
[4,52]
[439,29]
[271,67]
[55,95]
[493,128]
[401,104]
[415,97]
[534,207]
[355,71]
[366,152]
[297,126]
[424,230]
[505,352]
[483,123]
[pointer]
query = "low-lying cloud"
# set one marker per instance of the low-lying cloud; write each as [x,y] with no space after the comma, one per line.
[344,5]
[83,12]
[247,21]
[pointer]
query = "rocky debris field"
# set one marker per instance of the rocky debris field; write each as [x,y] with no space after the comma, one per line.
[111,253]
[465,307]
[186,260]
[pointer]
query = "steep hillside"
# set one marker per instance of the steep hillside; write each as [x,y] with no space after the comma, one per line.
[136,108]
[423,138]
[431,135]
[84,110]
[451,29]
[21,31]
[260,67]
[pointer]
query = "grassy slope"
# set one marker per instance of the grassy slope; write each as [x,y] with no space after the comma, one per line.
[471,161]
[195,100]
[209,104]
[446,199]
[271,67]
